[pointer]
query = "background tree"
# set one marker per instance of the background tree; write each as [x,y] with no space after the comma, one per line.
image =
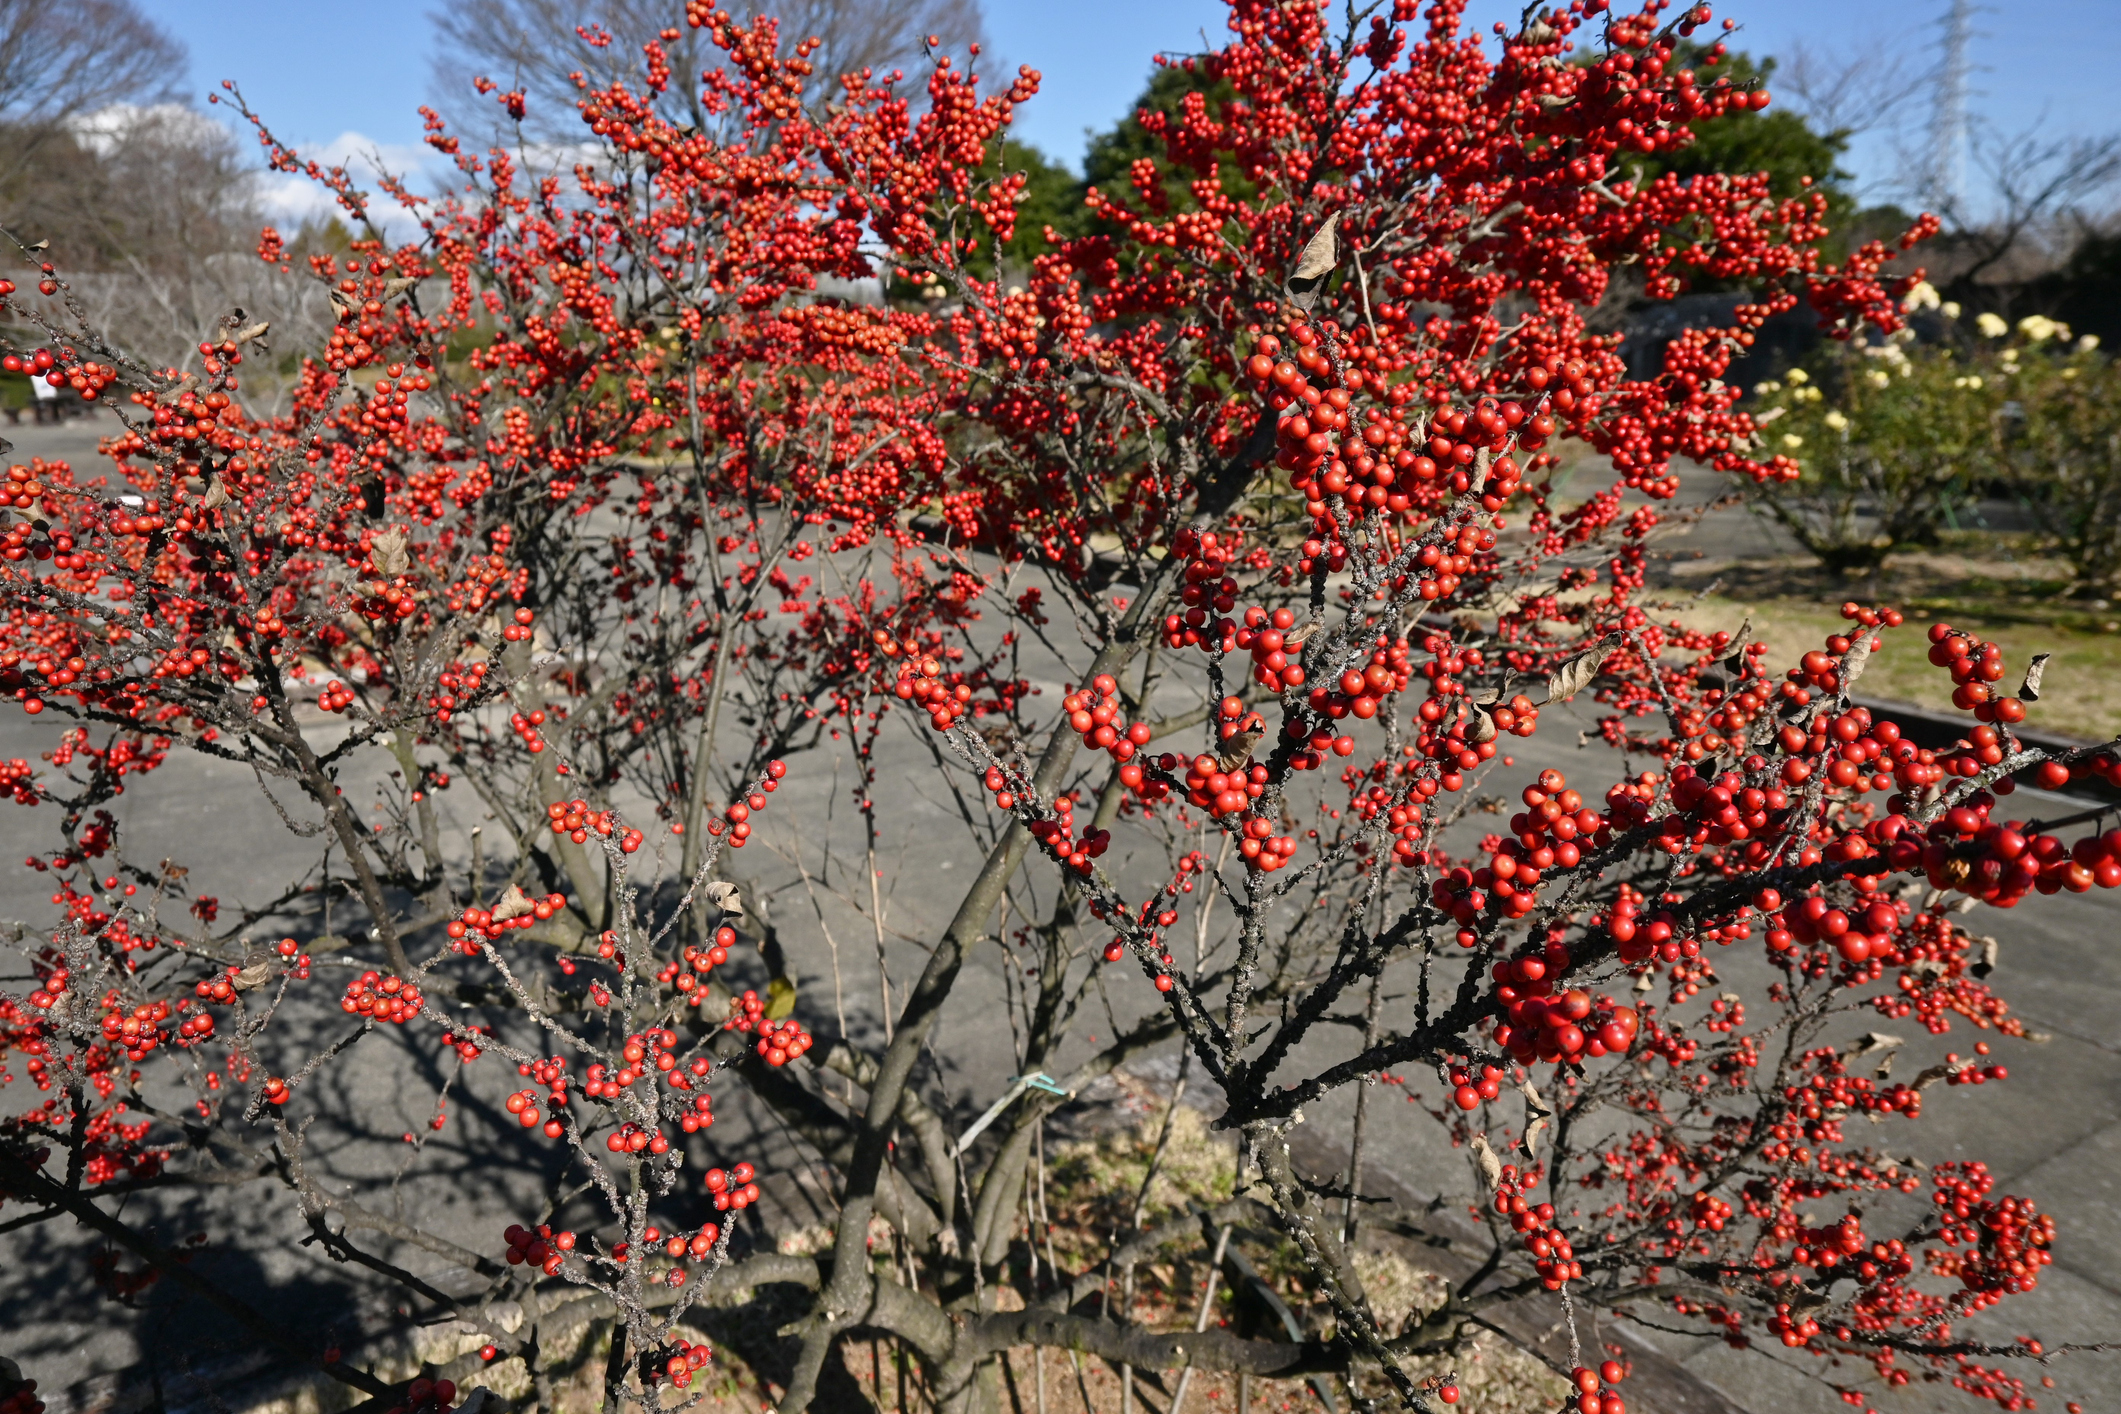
[538,46]
[58,63]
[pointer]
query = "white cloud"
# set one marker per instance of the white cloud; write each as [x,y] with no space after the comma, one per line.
[102,130]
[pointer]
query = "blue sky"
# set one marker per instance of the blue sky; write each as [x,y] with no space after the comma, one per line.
[345,80]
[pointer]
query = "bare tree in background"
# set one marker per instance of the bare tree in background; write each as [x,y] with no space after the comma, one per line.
[154,212]
[60,61]
[538,46]
[1849,94]
[2044,193]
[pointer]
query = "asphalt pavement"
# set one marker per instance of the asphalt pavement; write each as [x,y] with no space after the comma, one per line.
[2052,1132]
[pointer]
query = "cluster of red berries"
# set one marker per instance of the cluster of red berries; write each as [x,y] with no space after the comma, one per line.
[921,683]
[1055,834]
[1642,932]
[42,361]
[1543,1023]
[1359,690]
[1094,712]
[276,1090]
[746,1012]
[1467,1092]
[21,489]
[1974,665]
[335,696]
[782,1041]
[698,1115]
[1206,590]
[651,1050]
[685,1357]
[1552,1256]
[686,973]
[1964,850]
[524,1105]
[1812,920]
[456,687]
[395,598]
[631,1138]
[1592,1396]
[1274,658]
[388,999]
[520,631]
[699,1246]
[734,1189]
[1223,792]
[525,725]
[2005,1241]
[575,820]
[476,923]
[540,1247]
[425,1396]
[139,1029]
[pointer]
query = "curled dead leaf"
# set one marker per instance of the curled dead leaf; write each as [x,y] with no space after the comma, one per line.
[1735,664]
[255,331]
[1940,1071]
[2034,671]
[216,495]
[1300,635]
[387,553]
[1575,675]
[724,895]
[1875,1041]
[1483,726]
[1321,254]
[1238,750]
[1853,661]
[253,976]
[1643,983]
[1490,1165]
[514,904]
[1536,1114]
[398,285]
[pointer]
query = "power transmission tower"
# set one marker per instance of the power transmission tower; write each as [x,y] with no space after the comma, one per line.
[1946,177]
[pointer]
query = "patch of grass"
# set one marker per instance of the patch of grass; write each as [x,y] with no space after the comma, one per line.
[2016,603]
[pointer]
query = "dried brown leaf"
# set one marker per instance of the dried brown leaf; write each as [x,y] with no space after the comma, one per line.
[387,553]
[514,904]
[255,331]
[724,895]
[1483,726]
[253,976]
[1875,1041]
[1321,254]
[1575,675]
[1853,661]
[1238,750]
[1490,1165]
[216,495]
[2034,671]
[1735,664]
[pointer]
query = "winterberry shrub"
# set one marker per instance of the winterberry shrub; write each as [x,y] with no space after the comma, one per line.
[598,506]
